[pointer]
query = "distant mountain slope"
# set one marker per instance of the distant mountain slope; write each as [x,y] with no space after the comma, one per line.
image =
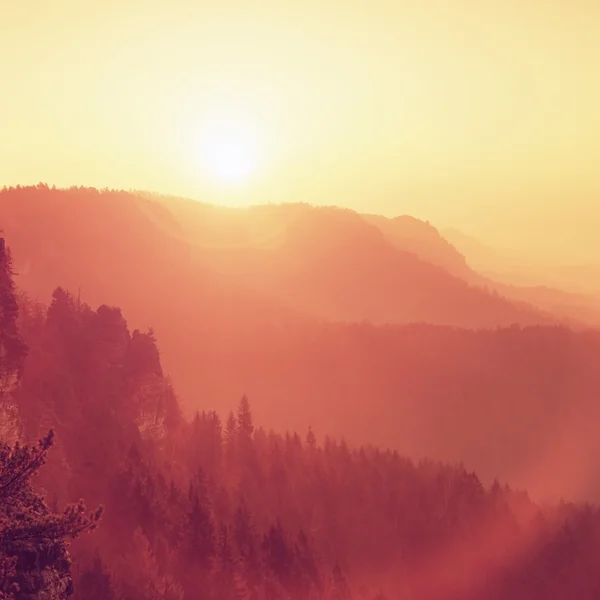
[423,239]
[339,265]
[352,272]
[513,268]
[478,254]
[243,236]
[566,291]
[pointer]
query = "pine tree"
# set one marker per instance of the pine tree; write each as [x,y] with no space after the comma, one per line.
[230,443]
[245,427]
[278,555]
[138,570]
[224,553]
[224,565]
[306,563]
[200,525]
[230,429]
[95,582]
[26,524]
[13,349]
[242,529]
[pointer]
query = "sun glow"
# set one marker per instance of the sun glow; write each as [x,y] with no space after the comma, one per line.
[228,151]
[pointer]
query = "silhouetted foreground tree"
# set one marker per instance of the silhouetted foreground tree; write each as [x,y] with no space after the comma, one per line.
[34,561]
[12,347]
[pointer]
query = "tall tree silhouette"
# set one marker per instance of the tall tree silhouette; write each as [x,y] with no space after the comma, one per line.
[12,347]
[29,529]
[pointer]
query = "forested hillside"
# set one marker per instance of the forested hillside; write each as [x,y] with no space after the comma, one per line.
[424,390]
[224,509]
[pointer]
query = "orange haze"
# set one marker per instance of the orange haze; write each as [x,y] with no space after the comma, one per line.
[481,116]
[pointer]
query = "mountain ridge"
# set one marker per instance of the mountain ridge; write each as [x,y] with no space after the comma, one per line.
[220,337]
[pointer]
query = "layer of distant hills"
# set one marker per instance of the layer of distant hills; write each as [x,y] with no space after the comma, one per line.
[375,329]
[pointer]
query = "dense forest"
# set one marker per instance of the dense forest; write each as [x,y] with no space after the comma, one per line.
[221,508]
[425,390]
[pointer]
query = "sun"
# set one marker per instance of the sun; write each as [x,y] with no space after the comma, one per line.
[228,151]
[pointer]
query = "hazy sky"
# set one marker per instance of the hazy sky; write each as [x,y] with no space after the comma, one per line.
[475,114]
